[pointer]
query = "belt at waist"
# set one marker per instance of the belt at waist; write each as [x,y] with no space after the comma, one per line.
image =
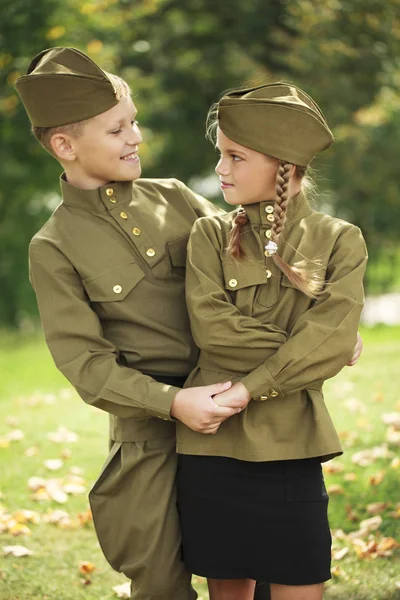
[175,380]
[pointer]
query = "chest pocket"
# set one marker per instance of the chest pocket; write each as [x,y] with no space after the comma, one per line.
[177,251]
[244,279]
[115,284]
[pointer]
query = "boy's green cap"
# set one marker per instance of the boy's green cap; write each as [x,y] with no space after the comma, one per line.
[277,119]
[62,86]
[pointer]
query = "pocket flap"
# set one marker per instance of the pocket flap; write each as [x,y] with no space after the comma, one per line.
[177,250]
[240,275]
[113,285]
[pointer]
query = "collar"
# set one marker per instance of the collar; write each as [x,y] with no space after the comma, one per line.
[260,213]
[103,198]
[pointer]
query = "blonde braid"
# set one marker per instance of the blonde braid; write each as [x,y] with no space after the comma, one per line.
[305,281]
[234,248]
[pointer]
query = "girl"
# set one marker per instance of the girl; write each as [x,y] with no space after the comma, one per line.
[274,292]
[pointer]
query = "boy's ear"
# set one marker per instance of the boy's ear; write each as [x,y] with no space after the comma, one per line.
[62,146]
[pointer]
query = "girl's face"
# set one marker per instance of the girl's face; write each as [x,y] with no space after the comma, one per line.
[246,176]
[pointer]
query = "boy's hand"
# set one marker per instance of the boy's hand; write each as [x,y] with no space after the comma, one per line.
[236,396]
[356,352]
[196,408]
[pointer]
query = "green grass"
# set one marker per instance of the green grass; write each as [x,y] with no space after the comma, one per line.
[36,397]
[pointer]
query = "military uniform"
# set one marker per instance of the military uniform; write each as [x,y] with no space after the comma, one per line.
[108,273]
[252,325]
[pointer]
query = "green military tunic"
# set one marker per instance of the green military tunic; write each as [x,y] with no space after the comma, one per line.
[109,278]
[252,325]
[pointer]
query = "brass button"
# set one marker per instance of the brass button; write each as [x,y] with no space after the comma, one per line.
[269,209]
[262,398]
[273,394]
[232,283]
[117,289]
[136,231]
[123,215]
[270,218]
[109,191]
[268,272]
[150,252]
[113,200]
[268,234]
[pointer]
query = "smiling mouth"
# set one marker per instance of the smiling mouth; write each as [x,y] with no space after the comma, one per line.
[130,157]
[225,184]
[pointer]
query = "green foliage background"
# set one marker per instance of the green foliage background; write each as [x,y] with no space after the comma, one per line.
[178,56]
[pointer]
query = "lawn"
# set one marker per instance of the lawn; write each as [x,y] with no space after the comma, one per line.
[36,402]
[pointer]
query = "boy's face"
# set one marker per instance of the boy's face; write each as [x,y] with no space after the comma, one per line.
[107,149]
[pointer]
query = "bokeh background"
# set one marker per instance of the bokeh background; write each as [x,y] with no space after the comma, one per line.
[179,56]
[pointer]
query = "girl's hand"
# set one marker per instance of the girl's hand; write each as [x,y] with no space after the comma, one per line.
[357,351]
[236,397]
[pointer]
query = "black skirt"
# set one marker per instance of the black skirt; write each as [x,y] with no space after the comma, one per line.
[245,520]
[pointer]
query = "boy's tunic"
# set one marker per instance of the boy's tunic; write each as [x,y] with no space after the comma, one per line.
[251,324]
[108,270]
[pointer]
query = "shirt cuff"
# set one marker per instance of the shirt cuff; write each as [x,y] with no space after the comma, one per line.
[161,402]
[261,385]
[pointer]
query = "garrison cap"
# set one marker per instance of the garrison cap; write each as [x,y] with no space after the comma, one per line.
[277,119]
[63,86]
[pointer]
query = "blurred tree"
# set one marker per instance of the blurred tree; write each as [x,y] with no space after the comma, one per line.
[179,56]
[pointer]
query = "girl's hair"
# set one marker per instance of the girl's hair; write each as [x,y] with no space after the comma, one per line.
[300,275]
[44,134]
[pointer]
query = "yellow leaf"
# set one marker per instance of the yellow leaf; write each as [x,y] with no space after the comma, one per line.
[395,464]
[350,477]
[19,529]
[86,567]
[371,524]
[377,478]
[335,489]
[54,464]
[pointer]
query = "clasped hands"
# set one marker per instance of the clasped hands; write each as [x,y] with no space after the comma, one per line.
[204,408]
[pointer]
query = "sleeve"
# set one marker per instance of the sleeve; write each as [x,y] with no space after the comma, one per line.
[201,206]
[323,338]
[75,339]
[232,340]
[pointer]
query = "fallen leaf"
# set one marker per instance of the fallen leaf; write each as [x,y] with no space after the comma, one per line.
[86,567]
[123,590]
[4,443]
[355,406]
[339,554]
[395,464]
[53,464]
[331,467]
[32,451]
[335,489]
[393,436]
[17,551]
[26,516]
[371,524]
[12,421]
[392,419]
[15,435]
[376,508]
[350,476]
[19,529]
[377,478]
[66,453]
[63,436]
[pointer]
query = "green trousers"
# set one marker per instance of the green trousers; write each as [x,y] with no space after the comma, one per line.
[136,520]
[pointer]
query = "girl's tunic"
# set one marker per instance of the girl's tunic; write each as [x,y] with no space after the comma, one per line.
[252,325]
